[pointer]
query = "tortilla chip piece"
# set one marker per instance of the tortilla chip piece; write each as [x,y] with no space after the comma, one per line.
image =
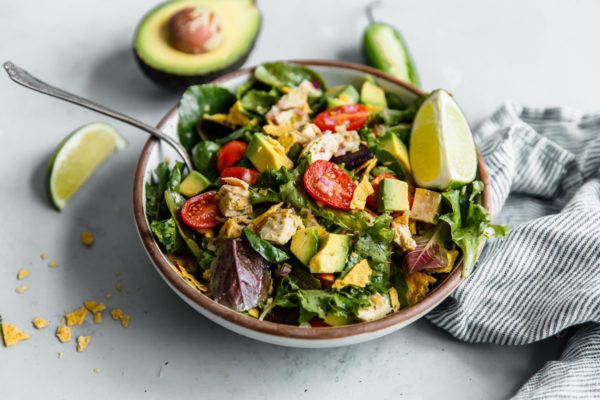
[125,320]
[189,278]
[418,286]
[39,322]
[452,256]
[76,317]
[83,342]
[87,238]
[98,318]
[253,312]
[21,289]
[116,314]
[393,293]
[93,306]
[22,274]
[12,335]
[63,333]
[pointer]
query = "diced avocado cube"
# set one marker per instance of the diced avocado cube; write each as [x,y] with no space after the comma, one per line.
[193,184]
[391,143]
[305,244]
[426,205]
[392,195]
[341,95]
[265,153]
[372,95]
[332,254]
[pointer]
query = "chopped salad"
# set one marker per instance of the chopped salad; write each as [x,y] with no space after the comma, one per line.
[302,208]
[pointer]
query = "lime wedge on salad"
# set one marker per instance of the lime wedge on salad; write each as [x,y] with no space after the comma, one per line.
[77,157]
[442,151]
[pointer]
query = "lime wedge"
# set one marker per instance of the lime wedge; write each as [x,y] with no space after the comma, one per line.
[77,157]
[442,152]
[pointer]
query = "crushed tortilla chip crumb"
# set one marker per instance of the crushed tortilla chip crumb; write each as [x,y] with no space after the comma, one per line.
[393,293]
[44,256]
[22,274]
[39,322]
[108,296]
[63,333]
[119,286]
[53,264]
[83,342]
[87,238]
[21,289]
[76,317]
[11,334]
[253,312]
[125,320]
[94,306]
[98,318]
[206,274]
[116,314]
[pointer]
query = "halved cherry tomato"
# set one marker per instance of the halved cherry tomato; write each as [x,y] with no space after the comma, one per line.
[230,154]
[317,322]
[372,199]
[353,115]
[329,184]
[326,279]
[201,211]
[245,174]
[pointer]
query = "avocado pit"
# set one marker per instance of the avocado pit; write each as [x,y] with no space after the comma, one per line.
[195,30]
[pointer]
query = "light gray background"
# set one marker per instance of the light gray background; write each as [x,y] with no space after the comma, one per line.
[534,52]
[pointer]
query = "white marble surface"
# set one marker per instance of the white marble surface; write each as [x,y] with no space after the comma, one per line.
[534,52]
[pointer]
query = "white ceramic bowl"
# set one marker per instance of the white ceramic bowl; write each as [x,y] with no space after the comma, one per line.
[334,73]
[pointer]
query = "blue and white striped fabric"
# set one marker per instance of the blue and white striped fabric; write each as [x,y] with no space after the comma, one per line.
[544,277]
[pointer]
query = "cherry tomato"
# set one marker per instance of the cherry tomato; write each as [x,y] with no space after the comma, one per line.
[230,154]
[201,211]
[329,184]
[317,322]
[353,115]
[326,279]
[245,174]
[372,199]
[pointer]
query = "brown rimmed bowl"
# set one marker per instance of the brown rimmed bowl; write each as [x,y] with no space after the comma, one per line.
[334,73]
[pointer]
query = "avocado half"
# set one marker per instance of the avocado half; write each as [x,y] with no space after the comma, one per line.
[172,68]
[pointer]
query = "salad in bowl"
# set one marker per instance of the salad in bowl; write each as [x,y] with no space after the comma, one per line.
[317,205]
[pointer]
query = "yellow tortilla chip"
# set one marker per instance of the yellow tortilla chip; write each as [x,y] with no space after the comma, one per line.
[393,293]
[87,238]
[39,322]
[11,334]
[363,190]
[125,320]
[22,274]
[63,333]
[189,278]
[20,289]
[116,314]
[83,342]
[253,312]
[94,306]
[98,318]
[257,222]
[230,229]
[418,286]
[76,317]
[452,255]
[189,263]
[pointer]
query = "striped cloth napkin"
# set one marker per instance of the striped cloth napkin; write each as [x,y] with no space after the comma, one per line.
[544,277]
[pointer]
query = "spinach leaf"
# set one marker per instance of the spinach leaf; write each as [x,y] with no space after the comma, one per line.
[273,178]
[267,250]
[469,222]
[175,177]
[174,203]
[402,131]
[155,190]
[257,103]
[281,74]
[196,101]
[204,156]
[388,160]
[166,233]
[243,133]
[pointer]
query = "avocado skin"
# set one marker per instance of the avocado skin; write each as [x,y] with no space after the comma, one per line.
[175,82]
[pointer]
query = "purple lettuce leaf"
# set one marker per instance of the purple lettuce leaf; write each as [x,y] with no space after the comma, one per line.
[429,253]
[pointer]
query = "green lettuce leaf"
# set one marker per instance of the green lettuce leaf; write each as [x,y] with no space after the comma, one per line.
[155,190]
[469,222]
[204,157]
[166,233]
[281,74]
[257,103]
[196,101]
